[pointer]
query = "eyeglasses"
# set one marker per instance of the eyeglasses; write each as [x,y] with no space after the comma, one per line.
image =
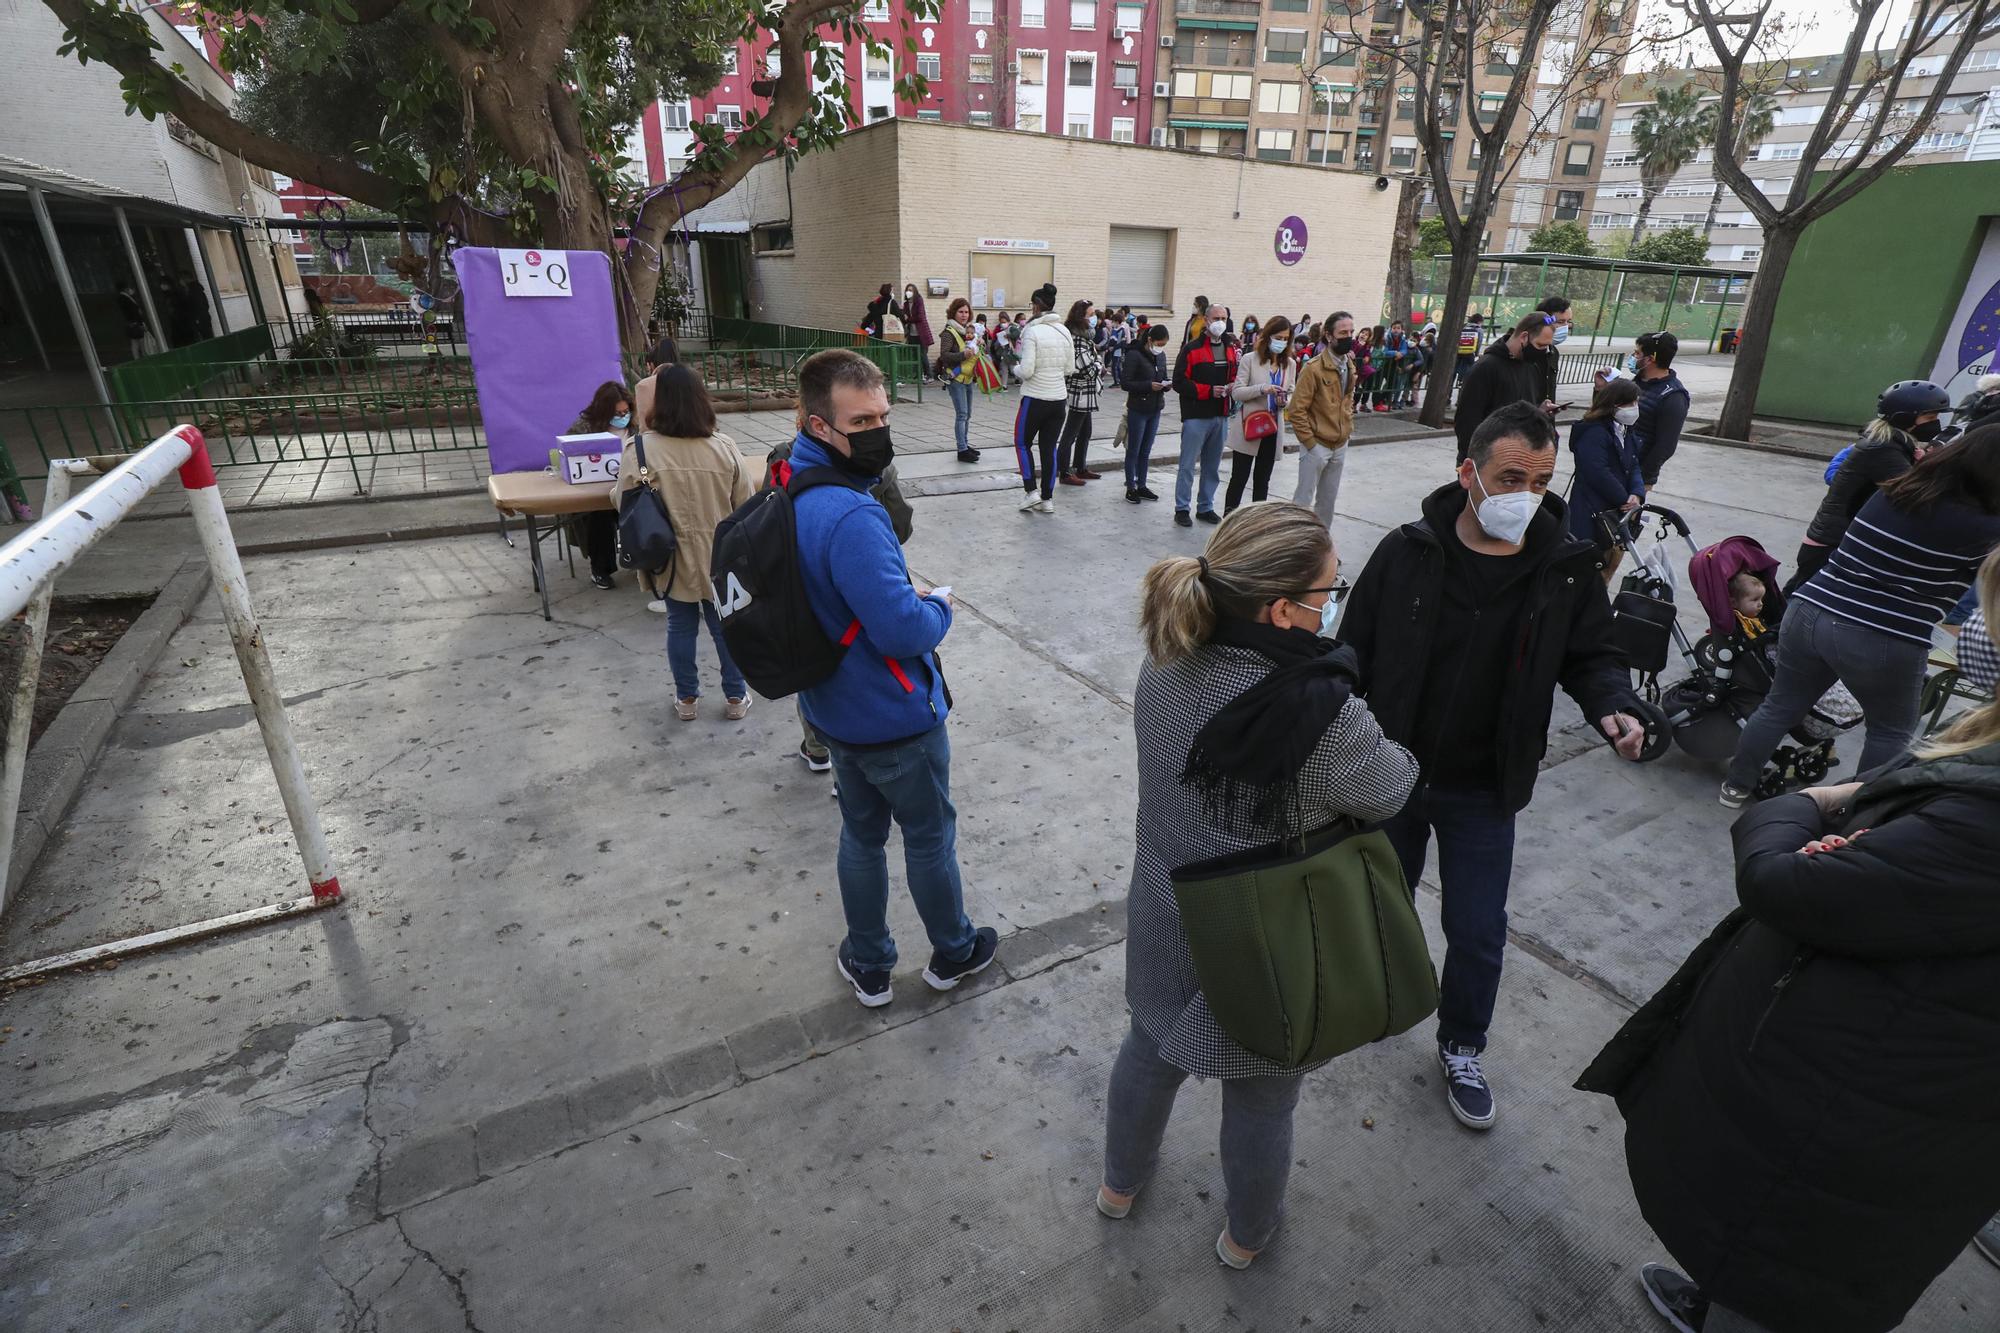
[1339,589]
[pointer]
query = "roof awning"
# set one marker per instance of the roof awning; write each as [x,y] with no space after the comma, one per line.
[1189,123]
[18,176]
[1231,25]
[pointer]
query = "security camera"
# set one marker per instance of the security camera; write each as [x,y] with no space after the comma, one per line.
[1381,182]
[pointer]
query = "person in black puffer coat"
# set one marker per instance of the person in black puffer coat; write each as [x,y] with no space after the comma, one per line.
[1809,1103]
[1510,371]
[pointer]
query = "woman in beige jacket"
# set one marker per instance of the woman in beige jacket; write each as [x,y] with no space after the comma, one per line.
[700,476]
[1265,378]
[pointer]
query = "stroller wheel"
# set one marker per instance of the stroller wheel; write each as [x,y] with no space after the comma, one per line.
[1776,774]
[1811,767]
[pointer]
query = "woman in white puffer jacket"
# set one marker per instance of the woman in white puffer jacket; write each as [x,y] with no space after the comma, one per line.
[1047,354]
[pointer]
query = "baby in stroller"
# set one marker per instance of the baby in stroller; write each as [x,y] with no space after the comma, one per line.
[1733,665]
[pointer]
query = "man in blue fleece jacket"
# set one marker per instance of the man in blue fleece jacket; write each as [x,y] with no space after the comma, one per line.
[882,712]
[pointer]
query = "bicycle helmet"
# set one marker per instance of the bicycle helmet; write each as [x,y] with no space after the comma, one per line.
[1906,400]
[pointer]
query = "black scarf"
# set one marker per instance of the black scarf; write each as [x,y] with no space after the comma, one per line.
[1247,758]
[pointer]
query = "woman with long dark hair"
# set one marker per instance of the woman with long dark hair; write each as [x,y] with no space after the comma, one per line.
[1265,378]
[609,413]
[1607,468]
[1865,618]
[1249,731]
[1085,375]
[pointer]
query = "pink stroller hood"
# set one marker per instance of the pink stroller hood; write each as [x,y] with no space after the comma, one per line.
[1711,568]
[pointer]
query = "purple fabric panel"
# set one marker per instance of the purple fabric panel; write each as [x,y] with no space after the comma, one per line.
[536,360]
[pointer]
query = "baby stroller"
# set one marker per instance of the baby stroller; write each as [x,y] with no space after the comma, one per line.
[1731,667]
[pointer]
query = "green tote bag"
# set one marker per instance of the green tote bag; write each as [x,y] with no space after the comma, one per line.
[1310,947]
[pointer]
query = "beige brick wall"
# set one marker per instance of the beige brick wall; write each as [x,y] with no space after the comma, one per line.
[948,185]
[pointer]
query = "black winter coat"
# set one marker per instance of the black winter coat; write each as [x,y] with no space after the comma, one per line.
[1495,380]
[1564,638]
[1810,1122]
[1862,472]
[1138,370]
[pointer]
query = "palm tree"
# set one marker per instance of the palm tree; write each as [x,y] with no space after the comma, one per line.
[1754,119]
[1666,136]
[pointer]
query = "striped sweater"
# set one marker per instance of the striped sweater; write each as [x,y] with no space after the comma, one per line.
[1899,572]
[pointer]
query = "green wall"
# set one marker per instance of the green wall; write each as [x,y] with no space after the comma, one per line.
[1873,288]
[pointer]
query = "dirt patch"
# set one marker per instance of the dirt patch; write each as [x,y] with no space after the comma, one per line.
[80,634]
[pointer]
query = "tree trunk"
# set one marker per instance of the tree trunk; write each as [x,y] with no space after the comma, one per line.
[1646,197]
[1457,296]
[1714,204]
[1402,250]
[1753,334]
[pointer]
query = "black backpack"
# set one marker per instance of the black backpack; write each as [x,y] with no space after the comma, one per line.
[760,592]
[645,534]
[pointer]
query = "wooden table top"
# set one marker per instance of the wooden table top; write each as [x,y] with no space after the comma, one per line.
[541,493]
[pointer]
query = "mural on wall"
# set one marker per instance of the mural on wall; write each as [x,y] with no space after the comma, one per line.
[1971,341]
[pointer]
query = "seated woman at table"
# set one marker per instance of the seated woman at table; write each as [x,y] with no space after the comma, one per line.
[700,476]
[610,411]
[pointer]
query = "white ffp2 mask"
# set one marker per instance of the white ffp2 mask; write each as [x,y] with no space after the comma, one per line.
[1505,518]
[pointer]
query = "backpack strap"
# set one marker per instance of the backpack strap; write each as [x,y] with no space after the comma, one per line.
[805,479]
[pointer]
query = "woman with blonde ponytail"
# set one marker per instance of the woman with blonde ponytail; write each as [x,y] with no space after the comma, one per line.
[1816,1088]
[1248,732]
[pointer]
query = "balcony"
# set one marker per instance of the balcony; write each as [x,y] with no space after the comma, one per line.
[1209,108]
[1245,11]
[1214,57]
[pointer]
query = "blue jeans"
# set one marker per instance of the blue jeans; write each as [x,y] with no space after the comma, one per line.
[1815,648]
[1256,1144]
[683,631]
[1475,837]
[1141,429]
[1967,604]
[961,403]
[1201,441]
[911,783]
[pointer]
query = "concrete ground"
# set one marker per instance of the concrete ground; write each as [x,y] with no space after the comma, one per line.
[573,1053]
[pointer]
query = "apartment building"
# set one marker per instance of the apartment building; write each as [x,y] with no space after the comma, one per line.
[1966,129]
[1082,69]
[1272,79]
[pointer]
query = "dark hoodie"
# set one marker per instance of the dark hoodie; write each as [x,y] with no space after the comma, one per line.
[1461,654]
[1495,380]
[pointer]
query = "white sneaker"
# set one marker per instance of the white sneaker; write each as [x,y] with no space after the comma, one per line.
[658,604]
[1047,506]
[1031,504]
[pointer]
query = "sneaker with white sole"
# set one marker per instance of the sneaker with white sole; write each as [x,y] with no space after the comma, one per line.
[1031,504]
[687,710]
[1226,1250]
[1465,1088]
[1678,1300]
[871,984]
[735,709]
[816,763]
[943,974]
[1733,798]
[1047,506]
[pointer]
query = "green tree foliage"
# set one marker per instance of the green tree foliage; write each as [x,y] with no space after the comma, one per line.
[1666,136]
[1561,238]
[1676,245]
[1432,240]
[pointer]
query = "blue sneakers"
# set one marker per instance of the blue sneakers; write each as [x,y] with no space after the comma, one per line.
[871,985]
[1465,1087]
[943,974]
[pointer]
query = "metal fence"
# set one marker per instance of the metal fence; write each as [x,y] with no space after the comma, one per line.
[1699,307]
[182,369]
[902,364]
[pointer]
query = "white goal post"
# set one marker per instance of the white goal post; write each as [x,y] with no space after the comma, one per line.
[29,566]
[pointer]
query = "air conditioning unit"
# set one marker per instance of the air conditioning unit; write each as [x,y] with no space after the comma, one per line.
[1166,41]
[1013,67]
[1159,136]
[1117,34]
[1162,88]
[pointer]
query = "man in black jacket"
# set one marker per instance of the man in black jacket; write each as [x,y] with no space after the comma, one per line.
[1465,622]
[1509,372]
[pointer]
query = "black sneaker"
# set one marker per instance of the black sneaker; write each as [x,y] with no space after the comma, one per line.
[817,763]
[968,455]
[1209,516]
[1181,519]
[1145,494]
[871,985]
[603,581]
[943,974]
[1465,1086]
[1132,496]
[1678,1300]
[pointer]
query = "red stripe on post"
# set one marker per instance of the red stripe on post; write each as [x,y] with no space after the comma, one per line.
[198,474]
[327,890]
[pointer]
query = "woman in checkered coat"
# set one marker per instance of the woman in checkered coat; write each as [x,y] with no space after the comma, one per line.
[1246,725]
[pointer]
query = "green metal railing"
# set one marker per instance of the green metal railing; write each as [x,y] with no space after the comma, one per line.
[182,369]
[1700,307]
[901,363]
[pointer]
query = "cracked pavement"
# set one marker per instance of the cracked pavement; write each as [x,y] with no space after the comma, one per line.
[573,1055]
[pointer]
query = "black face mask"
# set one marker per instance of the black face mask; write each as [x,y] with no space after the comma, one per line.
[869,452]
[1342,346]
[1925,431]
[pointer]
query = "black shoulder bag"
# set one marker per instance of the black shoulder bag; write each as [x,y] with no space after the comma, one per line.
[645,533]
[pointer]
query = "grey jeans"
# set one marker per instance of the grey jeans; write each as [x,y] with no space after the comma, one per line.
[1256,1134]
[1816,648]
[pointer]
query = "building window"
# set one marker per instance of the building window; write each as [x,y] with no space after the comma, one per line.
[1569,205]
[1502,58]
[1199,83]
[1403,154]
[979,69]
[1364,154]
[1030,122]
[876,113]
[1489,107]
[774,63]
[1327,149]
[1274,145]
[1447,104]
[1125,75]
[1123,129]
[874,66]
[930,115]
[1589,113]
[1406,104]
[1444,153]
[729,60]
[979,11]
[1576,160]
[1131,17]
[1077,127]
[1034,69]
[1031,13]
[772,238]
[979,117]
[1285,46]
[1136,266]
[1291,6]
[876,11]
[674,115]
[1083,14]
[930,66]
[1340,101]
[1333,51]
[1278,98]
[1082,71]
[729,117]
